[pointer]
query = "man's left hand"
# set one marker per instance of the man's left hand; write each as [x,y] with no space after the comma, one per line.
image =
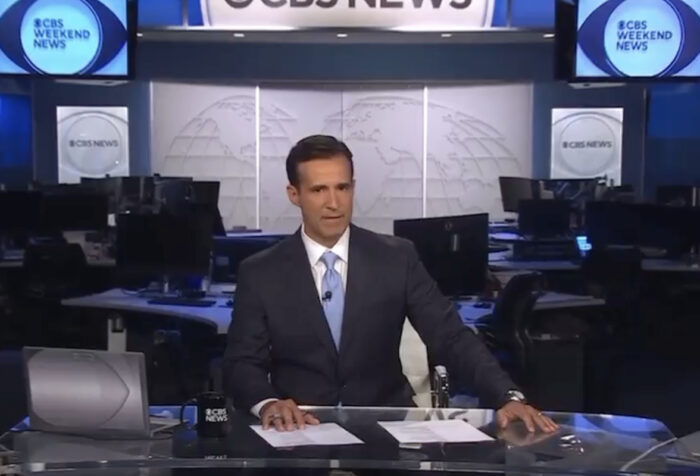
[533,418]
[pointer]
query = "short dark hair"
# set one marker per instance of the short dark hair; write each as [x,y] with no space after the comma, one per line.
[315,147]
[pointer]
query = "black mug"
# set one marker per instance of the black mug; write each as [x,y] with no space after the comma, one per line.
[212,415]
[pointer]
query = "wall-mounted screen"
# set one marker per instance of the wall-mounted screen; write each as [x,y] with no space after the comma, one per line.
[633,39]
[67,38]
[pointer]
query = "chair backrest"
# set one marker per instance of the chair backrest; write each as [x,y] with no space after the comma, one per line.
[53,271]
[518,296]
[512,313]
[54,260]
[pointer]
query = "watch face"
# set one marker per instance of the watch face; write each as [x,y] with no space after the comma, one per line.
[516,395]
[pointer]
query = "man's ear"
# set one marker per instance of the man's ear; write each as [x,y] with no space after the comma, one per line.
[293,194]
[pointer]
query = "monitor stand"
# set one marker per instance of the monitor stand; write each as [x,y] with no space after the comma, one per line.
[693,258]
[165,289]
[165,285]
[162,289]
[8,249]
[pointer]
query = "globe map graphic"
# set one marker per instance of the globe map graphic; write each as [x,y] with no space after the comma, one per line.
[385,132]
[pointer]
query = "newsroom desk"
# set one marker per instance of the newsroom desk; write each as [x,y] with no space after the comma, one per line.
[218,316]
[117,302]
[18,263]
[499,263]
[584,444]
[471,312]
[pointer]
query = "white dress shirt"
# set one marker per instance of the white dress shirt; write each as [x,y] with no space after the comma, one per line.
[314,251]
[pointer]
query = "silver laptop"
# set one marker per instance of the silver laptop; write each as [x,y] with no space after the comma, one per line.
[89,392]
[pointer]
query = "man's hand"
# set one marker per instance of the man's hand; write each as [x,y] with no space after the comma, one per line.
[514,411]
[285,415]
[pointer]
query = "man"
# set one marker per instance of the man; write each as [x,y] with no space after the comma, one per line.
[318,318]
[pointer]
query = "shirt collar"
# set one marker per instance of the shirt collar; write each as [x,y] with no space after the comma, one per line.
[314,250]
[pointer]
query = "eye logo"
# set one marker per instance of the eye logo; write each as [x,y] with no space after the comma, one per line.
[641,37]
[586,142]
[61,36]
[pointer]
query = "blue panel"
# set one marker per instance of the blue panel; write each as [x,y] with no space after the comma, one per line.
[194,9]
[500,13]
[532,13]
[673,137]
[160,12]
[15,140]
[674,111]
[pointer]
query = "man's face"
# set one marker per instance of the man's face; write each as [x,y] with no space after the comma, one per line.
[324,194]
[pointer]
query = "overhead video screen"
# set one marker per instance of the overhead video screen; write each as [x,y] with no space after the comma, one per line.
[83,38]
[637,39]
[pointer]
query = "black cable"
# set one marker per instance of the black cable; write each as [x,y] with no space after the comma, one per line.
[191,401]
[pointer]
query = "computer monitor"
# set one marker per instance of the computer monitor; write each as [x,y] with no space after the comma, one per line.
[578,191]
[671,229]
[125,193]
[74,208]
[207,194]
[136,193]
[678,195]
[86,392]
[619,193]
[108,186]
[514,189]
[19,211]
[454,250]
[171,196]
[175,194]
[228,252]
[545,218]
[164,244]
[612,223]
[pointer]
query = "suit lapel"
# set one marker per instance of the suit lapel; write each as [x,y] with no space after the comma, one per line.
[359,269]
[303,289]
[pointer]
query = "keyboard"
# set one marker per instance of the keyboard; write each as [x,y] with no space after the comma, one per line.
[182,301]
[13,255]
[156,424]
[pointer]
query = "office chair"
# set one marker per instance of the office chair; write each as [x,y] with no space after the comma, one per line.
[505,331]
[54,271]
[543,352]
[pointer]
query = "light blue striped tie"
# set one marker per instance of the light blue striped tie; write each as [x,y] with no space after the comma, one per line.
[332,296]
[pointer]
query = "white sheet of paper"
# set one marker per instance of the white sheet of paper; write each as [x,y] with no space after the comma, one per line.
[434,431]
[323,434]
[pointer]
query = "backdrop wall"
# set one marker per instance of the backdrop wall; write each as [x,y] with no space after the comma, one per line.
[413,158]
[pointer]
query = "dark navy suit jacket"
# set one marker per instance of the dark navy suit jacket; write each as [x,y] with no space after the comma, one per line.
[280,346]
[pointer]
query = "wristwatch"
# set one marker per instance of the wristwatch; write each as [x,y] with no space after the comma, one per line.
[515,395]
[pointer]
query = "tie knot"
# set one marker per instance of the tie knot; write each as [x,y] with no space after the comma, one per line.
[329,258]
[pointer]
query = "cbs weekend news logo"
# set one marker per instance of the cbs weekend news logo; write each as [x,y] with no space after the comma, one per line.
[641,37]
[61,36]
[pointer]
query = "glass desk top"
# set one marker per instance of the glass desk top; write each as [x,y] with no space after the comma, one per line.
[584,444]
